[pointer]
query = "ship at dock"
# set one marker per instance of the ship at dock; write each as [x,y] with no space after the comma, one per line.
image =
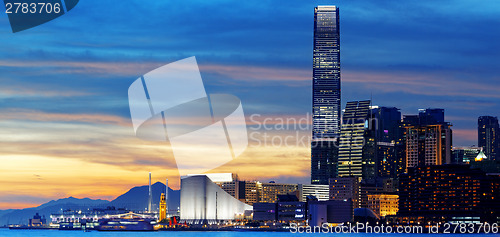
[127,222]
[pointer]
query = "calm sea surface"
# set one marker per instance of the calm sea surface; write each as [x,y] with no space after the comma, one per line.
[9,233]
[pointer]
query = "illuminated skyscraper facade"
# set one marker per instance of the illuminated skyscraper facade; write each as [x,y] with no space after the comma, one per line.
[326,94]
[428,139]
[326,73]
[356,146]
[488,136]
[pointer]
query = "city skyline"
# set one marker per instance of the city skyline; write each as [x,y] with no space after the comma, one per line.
[64,118]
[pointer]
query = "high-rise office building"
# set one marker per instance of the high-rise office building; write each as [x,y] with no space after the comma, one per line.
[326,72]
[428,139]
[319,191]
[356,145]
[252,192]
[488,136]
[326,94]
[431,116]
[386,123]
[383,204]
[270,191]
[345,188]
[428,145]
[324,154]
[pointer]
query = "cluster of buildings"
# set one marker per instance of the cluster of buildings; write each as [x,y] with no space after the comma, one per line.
[401,166]
[364,159]
[214,198]
[367,161]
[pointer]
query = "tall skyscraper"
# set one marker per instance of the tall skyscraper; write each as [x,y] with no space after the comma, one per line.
[389,137]
[488,136]
[324,154]
[326,73]
[355,142]
[431,116]
[326,94]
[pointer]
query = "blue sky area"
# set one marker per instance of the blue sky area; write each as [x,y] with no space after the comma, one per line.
[407,54]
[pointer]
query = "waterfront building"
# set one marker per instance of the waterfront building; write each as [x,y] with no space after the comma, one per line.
[368,189]
[265,211]
[270,191]
[383,204]
[449,192]
[332,211]
[77,219]
[37,221]
[229,183]
[203,201]
[488,136]
[291,211]
[253,191]
[319,191]
[345,188]
[326,93]
[286,209]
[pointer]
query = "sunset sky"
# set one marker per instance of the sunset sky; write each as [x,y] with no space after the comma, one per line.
[65,127]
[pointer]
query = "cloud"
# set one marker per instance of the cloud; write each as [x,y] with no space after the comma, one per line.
[20,92]
[41,116]
[430,84]
[254,73]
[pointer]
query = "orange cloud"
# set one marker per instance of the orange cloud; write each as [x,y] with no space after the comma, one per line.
[57,155]
[34,115]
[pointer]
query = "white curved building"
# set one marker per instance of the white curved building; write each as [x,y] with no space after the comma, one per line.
[203,200]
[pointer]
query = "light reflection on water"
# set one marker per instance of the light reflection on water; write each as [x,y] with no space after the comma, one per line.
[56,233]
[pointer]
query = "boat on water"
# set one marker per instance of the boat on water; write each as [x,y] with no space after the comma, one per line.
[127,222]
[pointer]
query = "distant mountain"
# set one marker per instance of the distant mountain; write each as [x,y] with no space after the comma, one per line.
[136,199]
[22,216]
[71,201]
